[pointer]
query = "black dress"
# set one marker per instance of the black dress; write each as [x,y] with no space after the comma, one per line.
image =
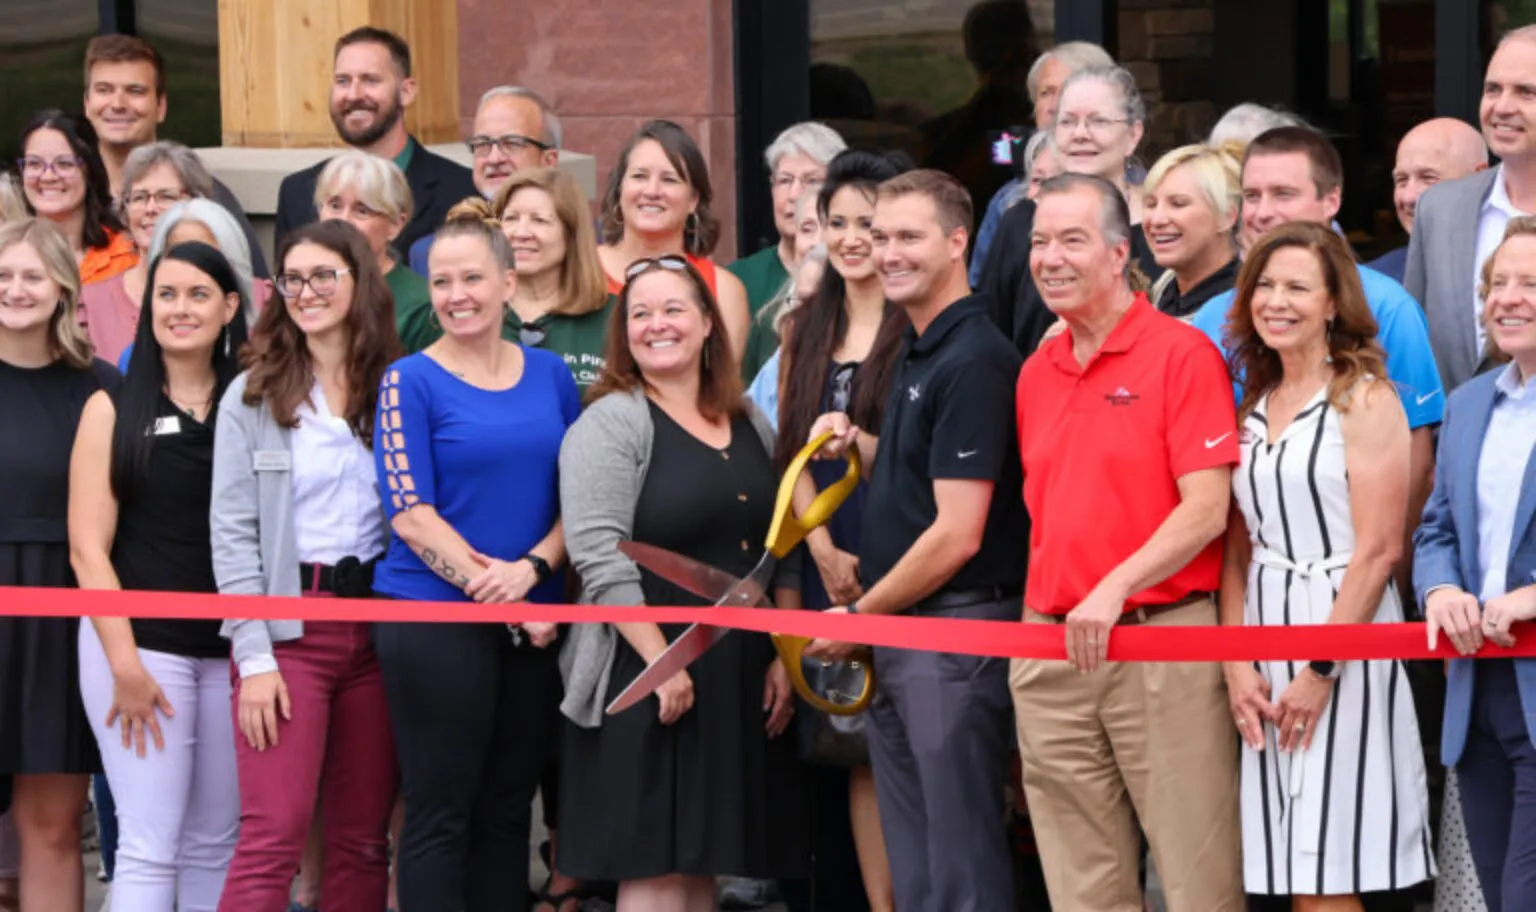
[709,794]
[43,726]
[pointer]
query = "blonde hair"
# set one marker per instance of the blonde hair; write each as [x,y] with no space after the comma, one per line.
[1217,173]
[66,339]
[1522,226]
[13,205]
[475,218]
[583,287]
[377,182]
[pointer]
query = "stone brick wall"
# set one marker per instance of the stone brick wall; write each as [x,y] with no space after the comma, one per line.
[607,68]
[1167,44]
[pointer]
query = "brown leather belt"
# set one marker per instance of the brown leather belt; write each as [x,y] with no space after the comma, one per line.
[1139,614]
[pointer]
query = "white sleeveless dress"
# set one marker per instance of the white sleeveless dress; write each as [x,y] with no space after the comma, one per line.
[1351,813]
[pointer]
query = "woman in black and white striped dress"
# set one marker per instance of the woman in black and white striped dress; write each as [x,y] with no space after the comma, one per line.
[1334,797]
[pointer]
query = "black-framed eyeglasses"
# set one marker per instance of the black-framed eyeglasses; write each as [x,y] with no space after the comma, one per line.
[667,261]
[322,282]
[510,144]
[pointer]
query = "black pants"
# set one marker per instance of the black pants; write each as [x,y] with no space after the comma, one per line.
[473,725]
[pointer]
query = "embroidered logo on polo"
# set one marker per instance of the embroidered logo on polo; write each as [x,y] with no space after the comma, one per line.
[1121,396]
[914,391]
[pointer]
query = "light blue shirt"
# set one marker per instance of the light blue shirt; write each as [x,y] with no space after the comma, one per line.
[1401,330]
[1507,447]
[764,391]
[1001,201]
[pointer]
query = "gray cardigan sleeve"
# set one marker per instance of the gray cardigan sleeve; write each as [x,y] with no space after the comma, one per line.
[602,467]
[232,520]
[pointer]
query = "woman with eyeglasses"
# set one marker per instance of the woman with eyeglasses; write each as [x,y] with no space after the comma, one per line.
[155,178]
[372,195]
[659,201]
[467,443]
[560,302]
[297,511]
[839,354]
[47,749]
[158,691]
[1100,120]
[699,780]
[65,182]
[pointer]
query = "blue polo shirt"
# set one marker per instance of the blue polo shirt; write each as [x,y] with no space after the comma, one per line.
[1401,330]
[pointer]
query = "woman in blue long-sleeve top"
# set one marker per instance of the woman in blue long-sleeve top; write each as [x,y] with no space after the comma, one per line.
[468,442]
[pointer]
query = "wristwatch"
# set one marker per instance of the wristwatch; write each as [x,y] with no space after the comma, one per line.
[853,607]
[1329,670]
[541,568]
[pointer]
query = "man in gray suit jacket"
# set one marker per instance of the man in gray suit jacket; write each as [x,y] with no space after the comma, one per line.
[1457,224]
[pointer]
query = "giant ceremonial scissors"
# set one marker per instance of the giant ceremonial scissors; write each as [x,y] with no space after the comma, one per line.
[841,688]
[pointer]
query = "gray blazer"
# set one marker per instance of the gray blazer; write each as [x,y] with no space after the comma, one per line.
[255,551]
[1441,255]
[603,462]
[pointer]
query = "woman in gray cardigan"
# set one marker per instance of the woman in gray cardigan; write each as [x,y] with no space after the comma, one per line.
[695,782]
[296,511]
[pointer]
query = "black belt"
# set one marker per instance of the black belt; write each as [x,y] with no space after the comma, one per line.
[347,578]
[1140,614]
[946,599]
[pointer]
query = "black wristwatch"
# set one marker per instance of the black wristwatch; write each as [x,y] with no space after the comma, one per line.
[1322,669]
[541,568]
[853,607]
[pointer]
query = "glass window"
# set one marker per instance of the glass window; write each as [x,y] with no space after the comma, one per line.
[41,52]
[934,78]
[186,33]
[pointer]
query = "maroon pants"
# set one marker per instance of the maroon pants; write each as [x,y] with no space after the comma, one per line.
[337,746]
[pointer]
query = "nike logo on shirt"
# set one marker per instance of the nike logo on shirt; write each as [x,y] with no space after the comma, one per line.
[1423,399]
[967,454]
[1211,444]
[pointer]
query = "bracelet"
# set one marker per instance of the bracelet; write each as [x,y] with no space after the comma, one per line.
[853,607]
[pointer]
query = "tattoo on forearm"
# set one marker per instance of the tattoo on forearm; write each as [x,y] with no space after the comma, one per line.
[442,568]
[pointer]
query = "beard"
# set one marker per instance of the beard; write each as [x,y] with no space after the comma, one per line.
[384,121]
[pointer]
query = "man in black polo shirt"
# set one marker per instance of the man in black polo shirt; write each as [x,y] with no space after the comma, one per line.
[944,535]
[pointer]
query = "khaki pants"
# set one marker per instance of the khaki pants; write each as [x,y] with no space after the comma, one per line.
[1132,747]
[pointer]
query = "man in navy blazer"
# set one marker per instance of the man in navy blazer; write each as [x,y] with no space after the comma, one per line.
[1474,569]
[370,91]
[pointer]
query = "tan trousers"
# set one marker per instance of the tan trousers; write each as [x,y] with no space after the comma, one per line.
[1133,747]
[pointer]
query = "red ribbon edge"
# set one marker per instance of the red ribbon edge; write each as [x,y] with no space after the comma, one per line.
[1003,639]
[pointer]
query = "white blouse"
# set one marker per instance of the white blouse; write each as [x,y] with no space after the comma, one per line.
[336,505]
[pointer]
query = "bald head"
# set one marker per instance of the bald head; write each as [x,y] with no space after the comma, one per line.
[1436,150]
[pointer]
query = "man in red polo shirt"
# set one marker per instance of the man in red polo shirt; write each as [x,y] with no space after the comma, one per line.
[1127,434]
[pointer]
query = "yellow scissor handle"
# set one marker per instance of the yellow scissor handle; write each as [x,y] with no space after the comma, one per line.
[790,649]
[788,530]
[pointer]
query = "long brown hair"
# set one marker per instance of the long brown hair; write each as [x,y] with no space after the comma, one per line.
[818,327]
[702,231]
[583,287]
[278,357]
[720,389]
[1352,348]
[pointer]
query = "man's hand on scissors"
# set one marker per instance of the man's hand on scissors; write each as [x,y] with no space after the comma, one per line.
[844,433]
[830,650]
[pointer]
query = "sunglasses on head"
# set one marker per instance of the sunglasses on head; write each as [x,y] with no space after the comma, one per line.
[669,261]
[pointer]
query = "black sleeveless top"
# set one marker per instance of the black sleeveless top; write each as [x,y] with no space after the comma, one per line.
[163,542]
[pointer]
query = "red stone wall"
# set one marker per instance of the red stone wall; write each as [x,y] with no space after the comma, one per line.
[607,66]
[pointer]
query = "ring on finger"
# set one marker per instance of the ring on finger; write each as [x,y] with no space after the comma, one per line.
[1299,727]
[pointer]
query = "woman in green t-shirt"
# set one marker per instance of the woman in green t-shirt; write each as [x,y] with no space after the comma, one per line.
[560,302]
[372,194]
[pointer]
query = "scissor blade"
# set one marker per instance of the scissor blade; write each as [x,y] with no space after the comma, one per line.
[694,642]
[695,576]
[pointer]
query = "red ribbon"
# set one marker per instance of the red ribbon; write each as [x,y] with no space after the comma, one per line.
[1006,639]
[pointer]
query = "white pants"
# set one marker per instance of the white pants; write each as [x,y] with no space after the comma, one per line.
[178,810]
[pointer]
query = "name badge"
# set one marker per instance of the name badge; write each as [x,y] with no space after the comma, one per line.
[167,424]
[272,460]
